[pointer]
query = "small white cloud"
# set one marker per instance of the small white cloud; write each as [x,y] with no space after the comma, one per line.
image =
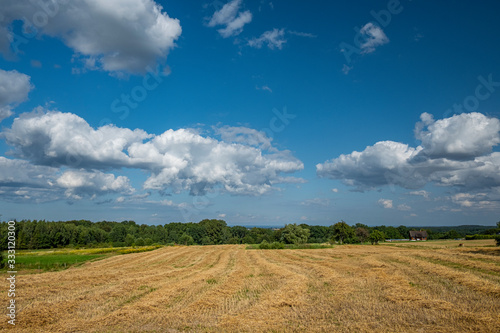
[221,216]
[264,88]
[273,38]
[230,16]
[422,193]
[374,36]
[335,190]
[346,69]
[386,203]
[403,207]
[304,218]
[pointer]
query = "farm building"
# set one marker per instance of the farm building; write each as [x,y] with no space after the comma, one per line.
[418,235]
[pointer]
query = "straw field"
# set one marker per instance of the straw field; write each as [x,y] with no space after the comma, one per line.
[227,288]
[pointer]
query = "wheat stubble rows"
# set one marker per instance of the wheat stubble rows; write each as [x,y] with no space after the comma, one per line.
[230,289]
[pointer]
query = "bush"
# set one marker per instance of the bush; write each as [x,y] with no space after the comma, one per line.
[472,237]
[277,245]
[264,245]
[498,240]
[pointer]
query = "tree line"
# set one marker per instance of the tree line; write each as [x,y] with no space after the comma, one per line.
[41,234]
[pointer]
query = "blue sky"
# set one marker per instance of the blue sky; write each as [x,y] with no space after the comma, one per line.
[256,112]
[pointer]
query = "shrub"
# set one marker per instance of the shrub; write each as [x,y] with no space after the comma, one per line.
[277,245]
[264,245]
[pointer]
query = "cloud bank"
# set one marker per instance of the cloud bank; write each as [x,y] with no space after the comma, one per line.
[242,163]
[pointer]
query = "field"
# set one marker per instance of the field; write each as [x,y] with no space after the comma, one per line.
[33,261]
[398,287]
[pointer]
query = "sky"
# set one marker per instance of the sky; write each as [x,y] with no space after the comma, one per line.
[255,112]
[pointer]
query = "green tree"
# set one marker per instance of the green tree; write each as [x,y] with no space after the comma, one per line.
[119,233]
[376,236]
[129,240]
[139,241]
[216,230]
[186,239]
[342,232]
[294,234]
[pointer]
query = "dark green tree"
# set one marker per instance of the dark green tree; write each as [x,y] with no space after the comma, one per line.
[342,232]
[362,234]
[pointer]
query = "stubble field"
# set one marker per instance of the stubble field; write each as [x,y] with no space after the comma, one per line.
[407,287]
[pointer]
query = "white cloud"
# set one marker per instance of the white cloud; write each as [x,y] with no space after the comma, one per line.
[386,203]
[374,36]
[273,38]
[20,181]
[478,201]
[56,138]
[264,88]
[80,183]
[114,35]
[377,165]
[335,190]
[230,16]
[460,137]
[221,216]
[176,160]
[14,89]
[422,193]
[454,152]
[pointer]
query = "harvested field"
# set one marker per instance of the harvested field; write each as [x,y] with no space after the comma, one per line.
[227,288]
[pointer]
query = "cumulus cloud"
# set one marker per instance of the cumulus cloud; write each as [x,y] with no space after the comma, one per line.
[177,160]
[14,89]
[112,35]
[386,203]
[455,151]
[80,183]
[20,181]
[460,137]
[273,38]
[477,200]
[55,138]
[230,17]
[375,166]
[374,36]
